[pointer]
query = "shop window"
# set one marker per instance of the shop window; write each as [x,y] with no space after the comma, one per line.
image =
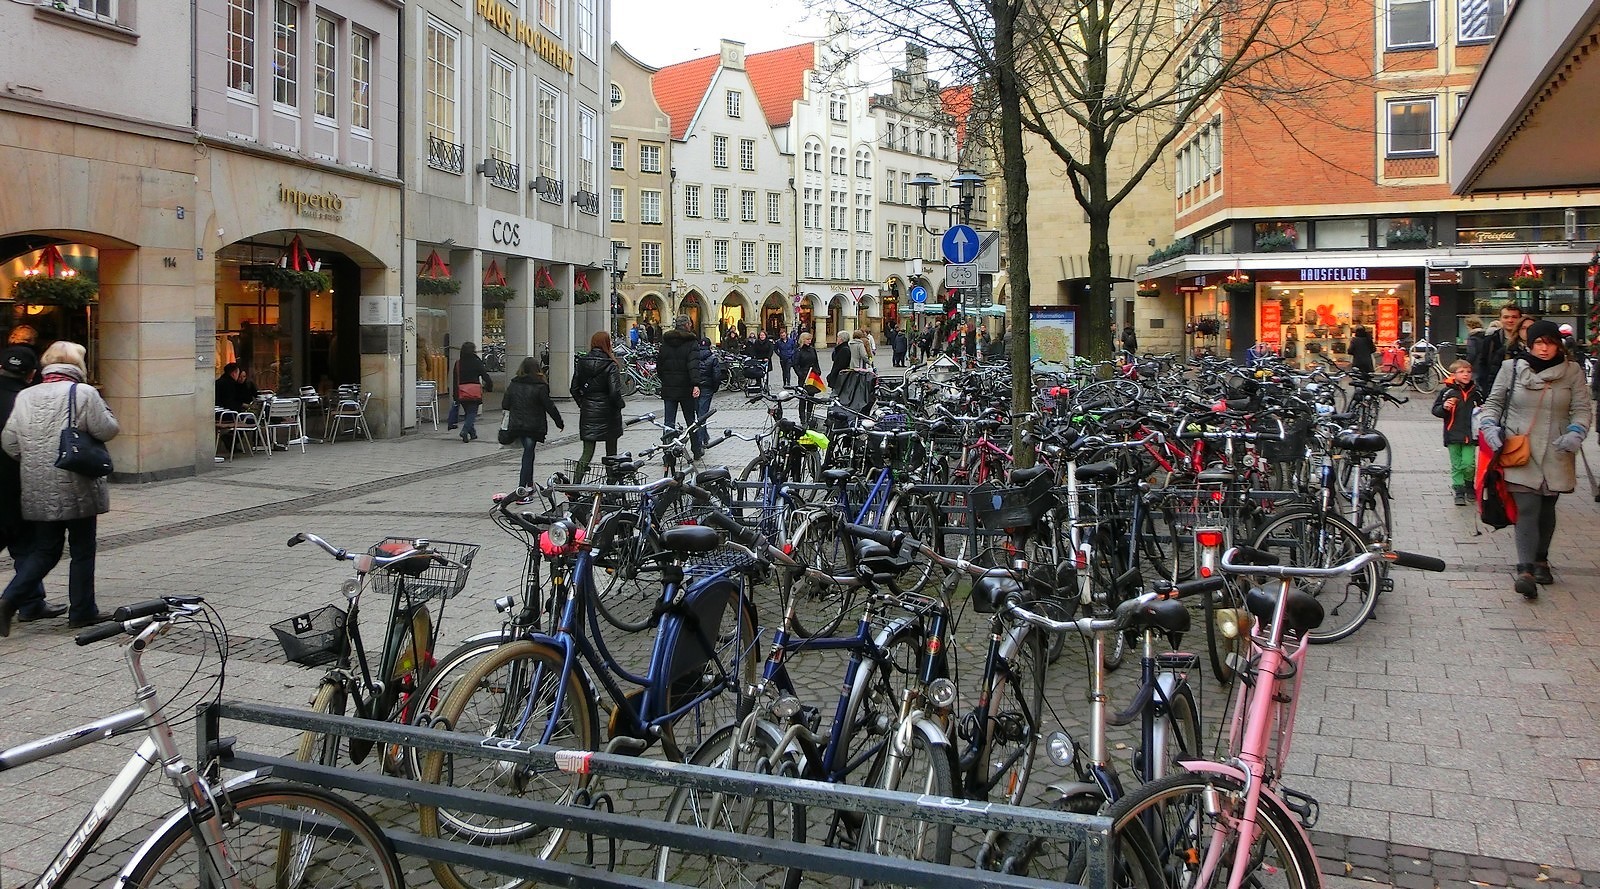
[1410,127]
[1273,237]
[1409,24]
[1527,227]
[1218,240]
[242,46]
[1341,234]
[1405,231]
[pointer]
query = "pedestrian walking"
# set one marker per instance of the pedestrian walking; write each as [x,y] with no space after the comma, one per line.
[787,344]
[63,506]
[468,382]
[1499,345]
[860,350]
[18,365]
[1130,342]
[1540,406]
[1361,350]
[841,360]
[528,407]
[597,388]
[1454,405]
[711,373]
[678,367]
[898,346]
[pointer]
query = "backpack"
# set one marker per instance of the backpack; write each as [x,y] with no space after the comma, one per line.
[710,365]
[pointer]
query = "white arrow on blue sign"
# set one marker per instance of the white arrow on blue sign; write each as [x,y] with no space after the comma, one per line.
[919,294]
[960,245]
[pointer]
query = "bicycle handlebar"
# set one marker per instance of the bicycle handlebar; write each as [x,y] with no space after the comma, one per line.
[344,555]
[1261,563]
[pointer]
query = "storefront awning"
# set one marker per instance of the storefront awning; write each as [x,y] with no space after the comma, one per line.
[1443,258]
[1529,121]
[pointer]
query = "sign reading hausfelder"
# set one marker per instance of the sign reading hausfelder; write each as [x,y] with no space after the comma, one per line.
[1351,274]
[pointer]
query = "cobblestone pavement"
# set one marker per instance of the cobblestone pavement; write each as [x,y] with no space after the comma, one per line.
[1450,741]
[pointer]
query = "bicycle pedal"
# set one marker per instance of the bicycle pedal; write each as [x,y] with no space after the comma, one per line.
[1386,585]
[1303,805]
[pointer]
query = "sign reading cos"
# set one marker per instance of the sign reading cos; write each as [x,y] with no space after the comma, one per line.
[506,232]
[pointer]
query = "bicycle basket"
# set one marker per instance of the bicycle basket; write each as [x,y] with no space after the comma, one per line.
[997,508]
[436,581]
[314,638]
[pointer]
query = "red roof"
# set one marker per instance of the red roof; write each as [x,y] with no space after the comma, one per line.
[957,102]
[778,77]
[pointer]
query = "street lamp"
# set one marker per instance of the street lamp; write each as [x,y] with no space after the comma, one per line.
[966,184]
[618,267]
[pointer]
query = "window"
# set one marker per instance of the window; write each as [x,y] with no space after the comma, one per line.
[734,101]
[100,10]
[813,208]
[719,204]
[616,96]
[619,152]
[360,80]
[888,190]
[691,201]
[864,265]
[1410,127]
[838,257]
[836,161]
[813,256]
[719,256]
[813,156]
[649,158]
[650,259]
[588,145]
[617,214]
[719,152]
[691,254]
[1410,23]
[549,149]
[586,28]
[905,241]
[747,155]
[864,213]
[285,53]
[649,206]
[774,258]
[774,208]
[1481,19]
[905,187]
[325,82]
[838,211]
[892,241]
[836,107]
[747,206]
[550,14]
[863,164]
[918,142]
[501,102]
[1333,234]
[439,77]
[242,46]
[922,248]
[747,257]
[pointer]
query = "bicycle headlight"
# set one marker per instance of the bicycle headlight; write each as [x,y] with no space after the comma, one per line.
[1060,748]
[785,707]
[560,533]
[350,587]
[942,694]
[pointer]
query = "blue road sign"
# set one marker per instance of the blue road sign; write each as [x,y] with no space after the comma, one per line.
[919,294]
[960,244]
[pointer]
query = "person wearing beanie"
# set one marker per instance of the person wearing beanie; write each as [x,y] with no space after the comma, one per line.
[17,366]
[1543,395]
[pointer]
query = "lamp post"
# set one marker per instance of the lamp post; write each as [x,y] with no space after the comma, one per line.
[618,267]
[966,184]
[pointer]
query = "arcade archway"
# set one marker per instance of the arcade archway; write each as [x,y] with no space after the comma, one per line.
[774,314]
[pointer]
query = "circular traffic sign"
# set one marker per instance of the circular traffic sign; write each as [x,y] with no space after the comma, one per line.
[919,294]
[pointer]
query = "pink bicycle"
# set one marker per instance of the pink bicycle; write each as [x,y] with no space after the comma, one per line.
[1232,823]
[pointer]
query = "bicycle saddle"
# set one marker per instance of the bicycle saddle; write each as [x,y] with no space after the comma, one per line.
[989,593]
[1167,615]
[1302,614]
[1022,478]
[1104,471]
[616,459]
[835,476]
[709,476]
[879,561]
[691,539]
[1361,442]
[1214,477]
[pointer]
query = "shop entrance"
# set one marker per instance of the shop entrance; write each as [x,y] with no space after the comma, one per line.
[772,314]
[59,297]
[1308,323]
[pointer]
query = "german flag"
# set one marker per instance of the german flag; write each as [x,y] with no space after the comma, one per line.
[815,381]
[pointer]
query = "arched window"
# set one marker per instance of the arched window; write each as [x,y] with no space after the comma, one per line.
[836,160]
[813,156]
[863,164]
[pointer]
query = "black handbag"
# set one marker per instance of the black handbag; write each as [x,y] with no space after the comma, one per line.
[79,451]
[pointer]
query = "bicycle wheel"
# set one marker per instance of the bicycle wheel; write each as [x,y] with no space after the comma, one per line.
[1105,567]
[511,694]
[818,608]
[1319,540]
[1014,715]
[923,767]
[446,673]
[1182,817]
[728,704]
[734,750]
[319,747]
[1065,861]
[280,835]
[1372,509]
[412,656]
[630,384]
[919,517]
[1177,732]
[625,589]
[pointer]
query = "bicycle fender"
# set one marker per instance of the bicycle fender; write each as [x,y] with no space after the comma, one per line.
[178,815]
[1079,796]
[1269,796]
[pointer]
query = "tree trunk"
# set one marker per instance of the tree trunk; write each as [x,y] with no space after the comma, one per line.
[1015,166]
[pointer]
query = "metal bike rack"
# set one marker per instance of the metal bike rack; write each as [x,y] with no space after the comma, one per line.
[1091,831]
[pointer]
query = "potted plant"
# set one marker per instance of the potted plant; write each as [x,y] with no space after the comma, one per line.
[1527,282]
[1410,236]
[72,291]
[585,293]
[1238,282]
[1148,289]
[1274,241]
[497,294]
[437,285]
[280,279]
[545,291]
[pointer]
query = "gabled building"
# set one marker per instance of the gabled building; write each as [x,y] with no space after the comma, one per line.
[731,200]
[639,198]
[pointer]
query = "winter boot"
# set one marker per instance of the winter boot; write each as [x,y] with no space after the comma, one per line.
[1525,585]
[1461,495]
[1542,575]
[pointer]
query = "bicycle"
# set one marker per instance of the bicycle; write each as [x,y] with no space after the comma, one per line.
[238,835]
[541,688]
[1232,823]
[415,573]
[1426,372]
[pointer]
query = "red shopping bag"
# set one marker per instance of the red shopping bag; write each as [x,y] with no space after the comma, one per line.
[1495,506]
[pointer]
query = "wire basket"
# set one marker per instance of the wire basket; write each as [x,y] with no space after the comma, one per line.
[997,508]
[436,581]
[707,564]
[314,638]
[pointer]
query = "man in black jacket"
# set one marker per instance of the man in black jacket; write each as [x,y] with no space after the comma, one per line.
[1497,346]
[17,366]
[678,366]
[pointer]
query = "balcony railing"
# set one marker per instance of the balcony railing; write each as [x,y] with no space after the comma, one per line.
[501,173]
[588,202]
[446,156]
[549,189]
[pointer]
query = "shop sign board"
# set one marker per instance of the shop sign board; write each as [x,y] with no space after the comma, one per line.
[1388,326]
[1272,324]
[1334,274]
[381,310]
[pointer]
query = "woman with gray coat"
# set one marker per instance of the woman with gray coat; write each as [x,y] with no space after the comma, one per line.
[62,505]
[1541,394]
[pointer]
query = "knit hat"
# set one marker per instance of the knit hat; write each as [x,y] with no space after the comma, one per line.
[19,360]
[1544,330]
